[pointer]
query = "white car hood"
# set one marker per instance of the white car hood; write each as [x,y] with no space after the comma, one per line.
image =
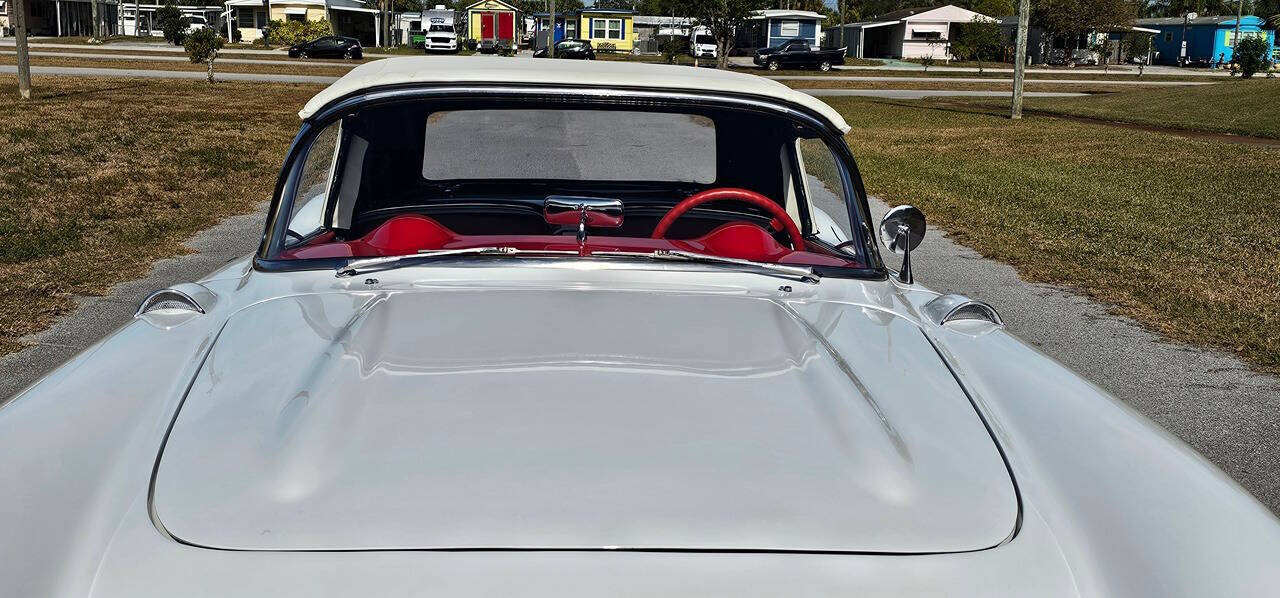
[577,419]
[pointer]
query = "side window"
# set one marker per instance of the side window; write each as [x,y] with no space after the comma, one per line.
[823,183]
[307,213]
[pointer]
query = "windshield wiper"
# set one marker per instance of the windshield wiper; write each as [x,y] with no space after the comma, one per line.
[377,264]
[801,273]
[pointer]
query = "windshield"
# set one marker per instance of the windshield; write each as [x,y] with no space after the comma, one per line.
[442,28]
[705,40]
[413,178]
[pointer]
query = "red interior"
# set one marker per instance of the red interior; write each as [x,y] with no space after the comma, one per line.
[410,233]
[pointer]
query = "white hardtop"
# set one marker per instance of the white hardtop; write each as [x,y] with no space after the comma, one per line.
[443,70]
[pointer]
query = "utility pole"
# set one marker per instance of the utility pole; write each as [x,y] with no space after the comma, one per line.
[1239,15]
[19,17]
[840,9]
[97,31]
[266,38]
[1020,58]
[551,33]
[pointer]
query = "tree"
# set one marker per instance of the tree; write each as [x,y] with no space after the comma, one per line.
[977,40]
[1103,46]
[1075,18]
[723,18]
[1136,45]
[1251,55]
[19,17]
[203,46]
[173,23]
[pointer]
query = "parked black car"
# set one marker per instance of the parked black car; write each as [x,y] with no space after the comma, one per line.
[797,53]
[573,49]
[329,46]
[499,47]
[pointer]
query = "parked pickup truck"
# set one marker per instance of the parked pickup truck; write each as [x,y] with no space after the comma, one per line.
[797,53]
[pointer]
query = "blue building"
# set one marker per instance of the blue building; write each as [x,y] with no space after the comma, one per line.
[1208,39]
[771,27]
[566,26]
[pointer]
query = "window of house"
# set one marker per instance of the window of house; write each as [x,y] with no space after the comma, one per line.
[606,28]
[244,19]
[298,18]
[1168,36]
[571,29]
[260,18]
[789,28]
[924,34]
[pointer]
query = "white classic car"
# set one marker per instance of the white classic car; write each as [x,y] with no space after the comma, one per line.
[556,328]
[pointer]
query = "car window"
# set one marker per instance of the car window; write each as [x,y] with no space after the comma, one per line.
[307,213]
[824,186]
[579,145]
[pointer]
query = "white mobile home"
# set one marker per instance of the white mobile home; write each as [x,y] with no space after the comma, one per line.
[907,33]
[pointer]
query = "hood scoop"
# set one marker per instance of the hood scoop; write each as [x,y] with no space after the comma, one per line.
[578,419]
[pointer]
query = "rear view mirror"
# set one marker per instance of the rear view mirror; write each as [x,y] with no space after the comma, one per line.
[597,212]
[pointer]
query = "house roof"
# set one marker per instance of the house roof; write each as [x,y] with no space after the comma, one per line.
[1218,20]
[503,5]
[949,12]
[788,14]
[443,70]
[662,21]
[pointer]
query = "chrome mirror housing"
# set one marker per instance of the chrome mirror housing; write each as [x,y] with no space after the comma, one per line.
[901,230]
[583,212]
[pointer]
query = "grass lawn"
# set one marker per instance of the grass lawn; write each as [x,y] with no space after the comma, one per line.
[1185,241]
[101,177]
[1240,107]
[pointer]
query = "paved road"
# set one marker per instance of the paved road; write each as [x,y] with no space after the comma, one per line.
[898,65]
[183,58]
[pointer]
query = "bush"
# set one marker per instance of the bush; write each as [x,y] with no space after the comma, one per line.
[203,46]
[173,23]
[673,47]
[288,33]
[1251,55]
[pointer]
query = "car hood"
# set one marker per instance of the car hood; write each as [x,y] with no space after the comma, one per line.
[578,419]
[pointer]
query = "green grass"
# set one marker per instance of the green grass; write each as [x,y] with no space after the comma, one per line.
[101,177]
[1187,241]
[1240,107]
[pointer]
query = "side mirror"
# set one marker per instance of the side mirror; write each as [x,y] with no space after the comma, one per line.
[901,230]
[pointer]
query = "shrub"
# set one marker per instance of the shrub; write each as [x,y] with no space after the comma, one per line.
[288,33]
[203,46]
[1251,55]
[173,23]
[236,36]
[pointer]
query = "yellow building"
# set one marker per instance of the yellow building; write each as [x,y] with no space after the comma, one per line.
[608,29]
[351,18]
[492,20]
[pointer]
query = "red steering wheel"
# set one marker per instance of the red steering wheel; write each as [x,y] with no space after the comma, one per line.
[744,195]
